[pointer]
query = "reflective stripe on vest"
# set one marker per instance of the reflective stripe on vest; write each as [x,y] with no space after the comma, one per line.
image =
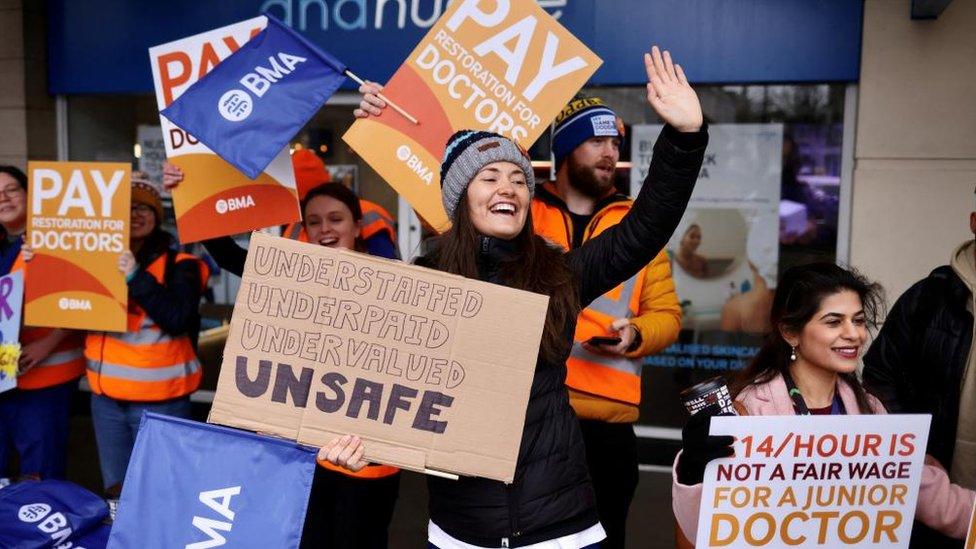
[55,359]
[66,363]
[620,307]
[294,232]
[144,363]
[613,308]
[625,365]
[376,220]
[136,373]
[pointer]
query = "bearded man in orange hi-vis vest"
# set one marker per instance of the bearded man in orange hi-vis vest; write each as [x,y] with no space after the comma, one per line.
[34,415]
[614,334]
[378,230]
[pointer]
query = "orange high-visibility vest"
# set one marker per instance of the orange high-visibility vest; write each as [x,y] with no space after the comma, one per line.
[65,363]
[375,220]
[615,378]
[144,363]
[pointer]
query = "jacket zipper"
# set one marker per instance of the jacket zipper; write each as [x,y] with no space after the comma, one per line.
[512,516]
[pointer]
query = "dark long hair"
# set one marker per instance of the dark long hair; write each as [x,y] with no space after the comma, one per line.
[538,267]
[798,297]
[341,193]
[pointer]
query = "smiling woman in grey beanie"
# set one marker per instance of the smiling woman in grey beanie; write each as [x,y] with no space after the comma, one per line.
[487,186]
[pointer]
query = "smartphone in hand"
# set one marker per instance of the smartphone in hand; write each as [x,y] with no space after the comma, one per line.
[600,340]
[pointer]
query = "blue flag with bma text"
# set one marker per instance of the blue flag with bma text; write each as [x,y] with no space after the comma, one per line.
[197,485]
[252,103]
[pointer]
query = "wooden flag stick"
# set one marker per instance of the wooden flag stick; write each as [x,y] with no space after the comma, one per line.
[395,107]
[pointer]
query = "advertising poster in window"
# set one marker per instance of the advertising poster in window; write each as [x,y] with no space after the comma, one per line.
[214,198]
[724,258]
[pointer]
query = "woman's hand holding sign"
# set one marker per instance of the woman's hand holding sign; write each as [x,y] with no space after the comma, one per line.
[172,176]
[371,104]
[670,94]
[346,452]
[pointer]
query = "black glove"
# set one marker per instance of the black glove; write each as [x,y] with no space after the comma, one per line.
[698,447]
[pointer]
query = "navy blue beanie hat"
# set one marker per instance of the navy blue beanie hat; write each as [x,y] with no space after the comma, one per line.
[580,120]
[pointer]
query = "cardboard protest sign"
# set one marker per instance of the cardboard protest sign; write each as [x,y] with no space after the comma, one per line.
[214,198]
[829,481]
[223,487]
[507,67]
[78,225]
[971,538]
[11,301]
[432,370]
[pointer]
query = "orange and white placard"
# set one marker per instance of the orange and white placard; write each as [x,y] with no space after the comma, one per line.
[840,481]
[214,198]
[496,65]
[77,225]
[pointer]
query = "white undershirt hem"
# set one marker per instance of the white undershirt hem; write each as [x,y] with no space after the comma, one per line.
[591,535]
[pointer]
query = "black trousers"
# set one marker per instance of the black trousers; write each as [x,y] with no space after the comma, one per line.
[611,454]
[346,512]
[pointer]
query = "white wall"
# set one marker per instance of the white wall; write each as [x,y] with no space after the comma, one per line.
[915,155]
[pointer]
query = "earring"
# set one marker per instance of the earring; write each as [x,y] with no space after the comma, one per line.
[792,353]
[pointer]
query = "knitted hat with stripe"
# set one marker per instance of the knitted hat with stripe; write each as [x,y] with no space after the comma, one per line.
[580,120]
[147,192]
[467,152]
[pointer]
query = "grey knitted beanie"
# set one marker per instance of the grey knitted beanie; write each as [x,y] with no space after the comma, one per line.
[467,152]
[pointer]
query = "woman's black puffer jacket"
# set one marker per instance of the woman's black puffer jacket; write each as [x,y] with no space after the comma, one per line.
[551,495]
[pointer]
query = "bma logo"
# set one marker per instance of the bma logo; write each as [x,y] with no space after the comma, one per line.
[405,155]
[72,304]
[53,524]
[236,105]
[236,203]
[33,512]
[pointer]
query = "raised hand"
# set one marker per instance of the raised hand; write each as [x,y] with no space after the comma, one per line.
[669,93]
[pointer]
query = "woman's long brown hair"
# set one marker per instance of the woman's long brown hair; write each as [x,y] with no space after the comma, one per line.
[538,267]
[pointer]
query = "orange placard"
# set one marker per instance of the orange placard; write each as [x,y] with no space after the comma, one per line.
[506,67]
[78,225]
[214,198]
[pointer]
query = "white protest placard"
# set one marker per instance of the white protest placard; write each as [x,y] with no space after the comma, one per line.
[11,305]
[971,538]
[820,481]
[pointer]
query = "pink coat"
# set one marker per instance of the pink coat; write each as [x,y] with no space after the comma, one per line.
[942,505]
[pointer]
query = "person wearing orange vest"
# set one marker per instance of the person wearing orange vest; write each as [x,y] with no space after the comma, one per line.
[641,316]
[378,229]
[152,366]
[34,415]
[346,509]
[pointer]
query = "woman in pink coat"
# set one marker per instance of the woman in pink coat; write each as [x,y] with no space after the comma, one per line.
[807,366]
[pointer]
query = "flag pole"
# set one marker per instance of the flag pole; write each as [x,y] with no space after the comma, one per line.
[393,105]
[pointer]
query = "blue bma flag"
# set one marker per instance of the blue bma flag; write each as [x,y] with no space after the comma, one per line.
[252,103]
[196,485]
